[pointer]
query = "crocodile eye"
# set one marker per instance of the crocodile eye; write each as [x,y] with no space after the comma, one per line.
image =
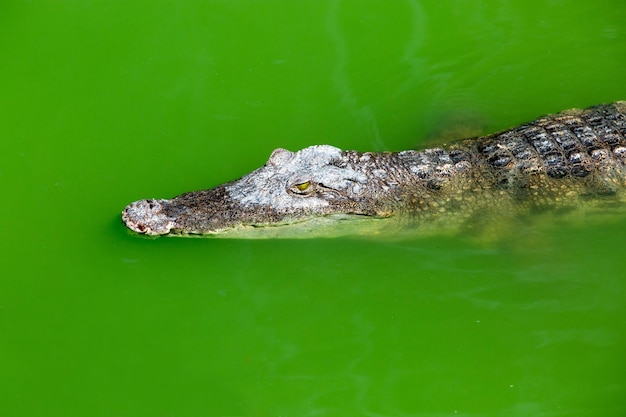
[302,188]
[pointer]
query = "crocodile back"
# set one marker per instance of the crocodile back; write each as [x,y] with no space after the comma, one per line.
[580,151]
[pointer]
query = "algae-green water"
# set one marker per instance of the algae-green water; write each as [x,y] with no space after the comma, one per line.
[104,102]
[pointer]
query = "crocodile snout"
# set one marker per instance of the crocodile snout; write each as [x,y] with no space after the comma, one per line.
[148,217]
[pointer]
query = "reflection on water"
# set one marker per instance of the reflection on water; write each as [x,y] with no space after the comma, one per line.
[454,327]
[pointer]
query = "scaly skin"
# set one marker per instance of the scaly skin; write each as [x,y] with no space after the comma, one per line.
[558,161]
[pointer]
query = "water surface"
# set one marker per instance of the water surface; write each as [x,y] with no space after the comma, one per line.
[107,103]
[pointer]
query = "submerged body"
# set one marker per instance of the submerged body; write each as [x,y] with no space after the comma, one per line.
[561,161]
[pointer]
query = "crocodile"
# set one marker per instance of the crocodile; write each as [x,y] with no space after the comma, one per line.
[558,162]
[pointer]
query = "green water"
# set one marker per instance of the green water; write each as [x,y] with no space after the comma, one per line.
[103,103]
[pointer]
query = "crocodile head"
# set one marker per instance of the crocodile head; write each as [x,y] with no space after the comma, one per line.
[312,192]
